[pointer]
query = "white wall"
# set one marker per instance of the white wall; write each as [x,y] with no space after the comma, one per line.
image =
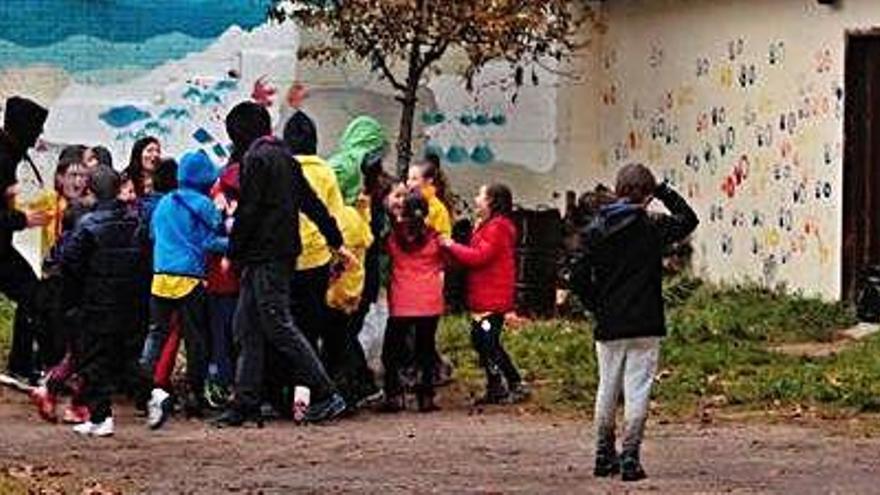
[771,200]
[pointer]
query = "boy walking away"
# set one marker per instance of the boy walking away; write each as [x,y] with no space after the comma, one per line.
[265,243]
[185,227]
[101,264]
[618,277]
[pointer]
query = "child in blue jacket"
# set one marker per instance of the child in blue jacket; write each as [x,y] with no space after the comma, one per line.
[185,227]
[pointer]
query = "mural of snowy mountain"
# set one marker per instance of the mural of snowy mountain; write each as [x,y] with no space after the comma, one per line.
[117,70]
[182,102]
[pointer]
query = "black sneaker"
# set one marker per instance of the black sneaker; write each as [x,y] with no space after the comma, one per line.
[195,407]
[493,398]
[519,393]
[326,410]
[426,404]
[631,469]
[606,465]
[391,404]
[233,417]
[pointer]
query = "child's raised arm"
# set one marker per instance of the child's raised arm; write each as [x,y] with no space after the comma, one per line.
[682,219]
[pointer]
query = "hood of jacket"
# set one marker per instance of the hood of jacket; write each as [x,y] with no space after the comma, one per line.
[301,135]
[612,219]
[23,121]
[246,123]
[196,171]
[363,136]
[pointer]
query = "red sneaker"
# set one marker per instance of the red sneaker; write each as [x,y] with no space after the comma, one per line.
[46,404]
[75,415]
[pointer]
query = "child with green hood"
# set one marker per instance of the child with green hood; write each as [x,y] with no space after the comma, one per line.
[363,140]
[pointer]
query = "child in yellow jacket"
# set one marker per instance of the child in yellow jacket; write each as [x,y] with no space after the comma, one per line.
[428,177]
[347,287]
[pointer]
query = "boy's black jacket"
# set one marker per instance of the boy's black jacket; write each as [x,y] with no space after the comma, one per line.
[273,192]
[102,262]
[618,274]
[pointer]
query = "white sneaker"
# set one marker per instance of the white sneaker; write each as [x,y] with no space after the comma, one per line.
[102,429]
[158,408]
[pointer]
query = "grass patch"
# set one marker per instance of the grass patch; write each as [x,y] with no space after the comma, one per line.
[716,352]
[12,486]
[7,311]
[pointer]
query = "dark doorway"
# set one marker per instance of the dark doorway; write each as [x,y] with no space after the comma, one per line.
[861,166]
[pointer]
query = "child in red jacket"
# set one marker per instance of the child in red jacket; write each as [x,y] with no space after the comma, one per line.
[490,289]
[415,300]
[222,288]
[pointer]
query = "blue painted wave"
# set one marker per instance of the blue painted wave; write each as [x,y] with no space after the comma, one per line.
[124,116]
[33,23]
[82,54]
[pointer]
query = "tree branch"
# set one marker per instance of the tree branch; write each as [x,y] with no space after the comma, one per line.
[380,62]
[434,54]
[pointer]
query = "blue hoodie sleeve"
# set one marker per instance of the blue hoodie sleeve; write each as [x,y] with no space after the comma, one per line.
[215,241]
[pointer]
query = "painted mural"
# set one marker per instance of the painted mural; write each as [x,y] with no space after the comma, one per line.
[116,71]
[485,126]
[749,128]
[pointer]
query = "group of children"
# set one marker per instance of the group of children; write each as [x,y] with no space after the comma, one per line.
[267,269]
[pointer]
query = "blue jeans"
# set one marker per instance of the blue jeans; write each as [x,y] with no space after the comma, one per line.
[221,309]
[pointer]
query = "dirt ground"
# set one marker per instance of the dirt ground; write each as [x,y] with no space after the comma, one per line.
[454,451]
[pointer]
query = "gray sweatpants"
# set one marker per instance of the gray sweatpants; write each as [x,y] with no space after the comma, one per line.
[630,365]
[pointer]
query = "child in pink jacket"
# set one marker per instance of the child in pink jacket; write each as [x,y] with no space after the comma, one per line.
[415,301]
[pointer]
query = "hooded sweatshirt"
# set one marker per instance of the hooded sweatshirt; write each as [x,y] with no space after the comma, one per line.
[619,274]
[23,122]
[364,136]
[273,192]
[301,138]
[186,225]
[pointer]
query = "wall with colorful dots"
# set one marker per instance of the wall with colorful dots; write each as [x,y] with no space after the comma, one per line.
[739,105]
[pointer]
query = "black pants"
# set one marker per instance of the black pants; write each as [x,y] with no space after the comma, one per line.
[344,357]
[95,362]
[308,303]
[360,368]
[19,283]
[486,338]
[52,327]
[394,350]
[193,313]
[263,319]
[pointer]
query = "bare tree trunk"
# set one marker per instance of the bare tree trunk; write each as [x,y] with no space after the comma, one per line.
[405,135]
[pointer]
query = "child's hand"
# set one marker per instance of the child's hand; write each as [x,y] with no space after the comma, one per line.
[363,201]
[446,241]
[38,218]
[347,257]
[221,203]
[12,191]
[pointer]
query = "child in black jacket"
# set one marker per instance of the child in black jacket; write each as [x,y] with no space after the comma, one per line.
[101,265]
[619,278]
